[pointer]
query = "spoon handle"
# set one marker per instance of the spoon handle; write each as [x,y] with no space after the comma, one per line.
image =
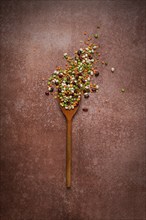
[68,153]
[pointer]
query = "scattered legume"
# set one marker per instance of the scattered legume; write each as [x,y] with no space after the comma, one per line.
[112,69]
[85,109]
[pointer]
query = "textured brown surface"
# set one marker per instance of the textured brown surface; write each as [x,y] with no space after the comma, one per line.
[108,140]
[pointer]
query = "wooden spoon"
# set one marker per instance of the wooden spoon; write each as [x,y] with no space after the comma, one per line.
[69,114]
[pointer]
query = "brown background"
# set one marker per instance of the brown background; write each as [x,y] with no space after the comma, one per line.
[108,140]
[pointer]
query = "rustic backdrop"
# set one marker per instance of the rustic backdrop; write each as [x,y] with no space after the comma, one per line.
[108,141]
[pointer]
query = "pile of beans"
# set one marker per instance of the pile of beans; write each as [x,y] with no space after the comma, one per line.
[71,83]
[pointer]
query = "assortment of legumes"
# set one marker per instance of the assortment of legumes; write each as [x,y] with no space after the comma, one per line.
[71,83]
